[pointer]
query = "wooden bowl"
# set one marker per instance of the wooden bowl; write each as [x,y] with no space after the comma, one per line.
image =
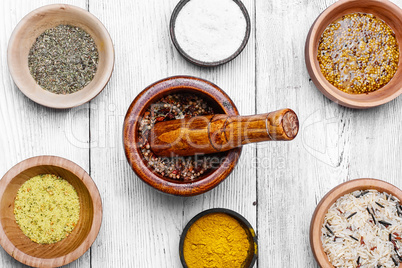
[19,246]
[186,84]
[245,224]
[385,10]
[33,25]
[329,199]
[195,61]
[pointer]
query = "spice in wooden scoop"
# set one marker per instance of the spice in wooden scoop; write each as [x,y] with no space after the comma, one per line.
[63,59]
[358,53]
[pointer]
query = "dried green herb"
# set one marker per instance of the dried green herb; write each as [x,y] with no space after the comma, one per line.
[63,59]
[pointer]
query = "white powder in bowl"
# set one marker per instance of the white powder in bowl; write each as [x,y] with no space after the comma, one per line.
[210,30]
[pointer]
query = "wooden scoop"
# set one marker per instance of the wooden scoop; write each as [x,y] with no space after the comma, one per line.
[220,132]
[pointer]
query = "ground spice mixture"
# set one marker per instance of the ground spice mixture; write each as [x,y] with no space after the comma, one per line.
[63,59]
[358,53]
[216,240]
[46,208]
[176,106]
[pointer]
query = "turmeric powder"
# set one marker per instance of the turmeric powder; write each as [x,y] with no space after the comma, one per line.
[216,240]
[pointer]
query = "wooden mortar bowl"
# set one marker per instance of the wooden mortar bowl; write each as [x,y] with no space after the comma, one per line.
[186,84]
[19,246]
[329,199]
[33,25]
[385,10]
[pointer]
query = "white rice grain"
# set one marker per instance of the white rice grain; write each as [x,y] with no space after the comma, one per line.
[373,248]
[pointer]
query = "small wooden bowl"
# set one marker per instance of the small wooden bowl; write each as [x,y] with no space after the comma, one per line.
[33,25]
[173,18]
[386,11]
[329,199]
[19,246]
[185,84]
[246,225]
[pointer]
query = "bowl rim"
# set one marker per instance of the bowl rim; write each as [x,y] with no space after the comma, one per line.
[330,198]
[133,155]
[326,88]
[229,212]
[97,206]
[200,63]
[13,66]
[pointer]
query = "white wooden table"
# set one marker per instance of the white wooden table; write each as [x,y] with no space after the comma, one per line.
[276,185]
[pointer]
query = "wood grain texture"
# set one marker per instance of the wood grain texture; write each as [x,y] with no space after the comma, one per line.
[141,226]
[220,132]
[335,144]
[29,129]
[276,186]
[78,241]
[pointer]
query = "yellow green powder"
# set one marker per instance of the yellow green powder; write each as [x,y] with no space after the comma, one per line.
[46,208]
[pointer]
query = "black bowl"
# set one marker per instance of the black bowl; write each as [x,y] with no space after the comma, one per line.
[243,222]
[173,18]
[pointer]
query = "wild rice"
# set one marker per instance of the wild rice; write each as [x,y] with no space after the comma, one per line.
[366,230]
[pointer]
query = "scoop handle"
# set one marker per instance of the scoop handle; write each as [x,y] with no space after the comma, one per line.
[220,132]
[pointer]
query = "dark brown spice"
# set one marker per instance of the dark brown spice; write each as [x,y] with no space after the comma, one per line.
[397,254]
[329,230]
[399,209]
[386,224]
[362,193]
[395,261]
[63,59]
[368,210]
[354,238]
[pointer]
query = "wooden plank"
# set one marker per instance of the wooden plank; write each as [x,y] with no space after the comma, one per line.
[142,227]
[335,144]
[29,129]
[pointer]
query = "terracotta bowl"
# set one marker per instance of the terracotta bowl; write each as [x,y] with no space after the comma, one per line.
[33,25]
[195,61]
[216,98]
[243,222]
[19,246]
[329,199]
[385,10]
